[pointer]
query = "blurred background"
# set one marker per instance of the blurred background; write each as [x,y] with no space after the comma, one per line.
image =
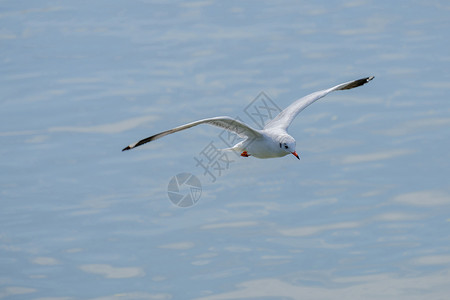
[363,215]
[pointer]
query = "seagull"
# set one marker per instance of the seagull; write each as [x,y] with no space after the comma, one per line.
[273,140]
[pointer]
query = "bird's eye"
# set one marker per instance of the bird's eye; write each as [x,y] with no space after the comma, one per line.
[286,146]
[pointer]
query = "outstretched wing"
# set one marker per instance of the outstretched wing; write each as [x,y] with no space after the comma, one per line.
[227,123]
[284,118]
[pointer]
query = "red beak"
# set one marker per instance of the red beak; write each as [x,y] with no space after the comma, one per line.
[295,154]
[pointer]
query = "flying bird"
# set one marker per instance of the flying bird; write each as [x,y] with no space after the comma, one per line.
[273,140]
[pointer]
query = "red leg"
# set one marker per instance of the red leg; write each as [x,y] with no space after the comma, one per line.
[245,154]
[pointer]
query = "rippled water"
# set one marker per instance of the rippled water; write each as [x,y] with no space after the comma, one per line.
[363,215]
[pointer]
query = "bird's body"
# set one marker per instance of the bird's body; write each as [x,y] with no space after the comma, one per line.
[266,146]
[273,140]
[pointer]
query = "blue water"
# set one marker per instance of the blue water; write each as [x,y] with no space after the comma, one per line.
[363,215]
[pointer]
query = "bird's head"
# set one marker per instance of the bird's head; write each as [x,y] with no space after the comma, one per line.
[287,143]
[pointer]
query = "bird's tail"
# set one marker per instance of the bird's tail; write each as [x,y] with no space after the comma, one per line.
[239,147]
[234,148]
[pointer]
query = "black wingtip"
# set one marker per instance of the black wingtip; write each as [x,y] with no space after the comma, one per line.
[126,148]
[365,80]
[357,83]
[360,82]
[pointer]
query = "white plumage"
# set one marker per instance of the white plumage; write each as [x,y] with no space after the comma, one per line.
[273,140]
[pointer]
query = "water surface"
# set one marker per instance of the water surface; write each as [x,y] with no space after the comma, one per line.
[363,215]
